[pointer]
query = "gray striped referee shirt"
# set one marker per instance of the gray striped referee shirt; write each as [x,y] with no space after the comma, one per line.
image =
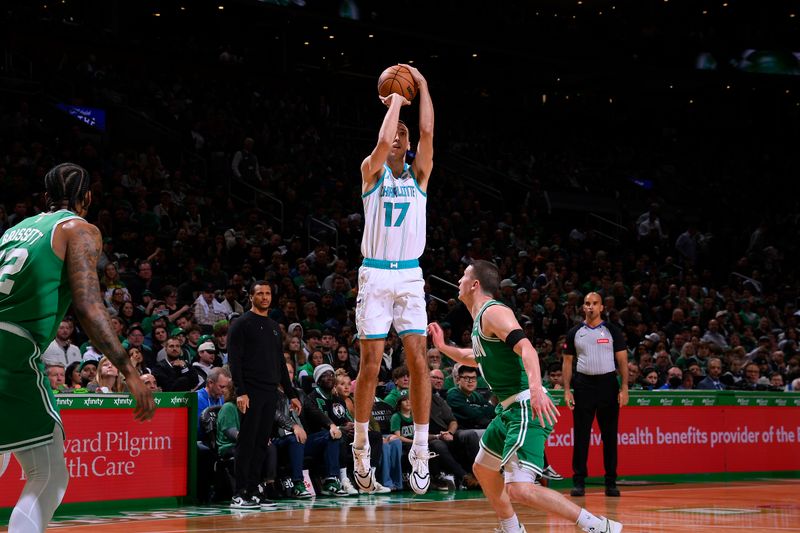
[595,347]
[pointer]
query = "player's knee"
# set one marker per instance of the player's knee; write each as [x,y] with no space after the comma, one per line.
[60,480]
[47,483]
[369,367]
[372,368]
[516,492]
[418,368]
[415,346]
[372,350]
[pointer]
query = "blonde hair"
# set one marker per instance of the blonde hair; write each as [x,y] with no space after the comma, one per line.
[115,385]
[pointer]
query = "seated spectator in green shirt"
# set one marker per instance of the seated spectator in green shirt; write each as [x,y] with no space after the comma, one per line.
[311,322]
[400,378]
[402,423]
[305,372]
[471,408]
[228,425]
[450,380]
[159,317]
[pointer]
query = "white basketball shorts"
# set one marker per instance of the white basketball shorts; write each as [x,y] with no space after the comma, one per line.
[390,296]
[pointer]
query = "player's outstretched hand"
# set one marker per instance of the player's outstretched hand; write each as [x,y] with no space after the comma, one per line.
[419,79]
[436,333]
[543,406]
[387,100]
[145,406]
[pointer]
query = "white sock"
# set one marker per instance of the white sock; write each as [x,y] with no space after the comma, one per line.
[360,438]
[342,474]
[589,522]
[510,525]
[421,435]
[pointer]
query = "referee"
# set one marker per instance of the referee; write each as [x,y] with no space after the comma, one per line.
[255,356]
[597,391]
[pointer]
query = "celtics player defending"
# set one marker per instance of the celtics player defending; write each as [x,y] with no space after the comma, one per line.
[390,285]
[515,439]
[47,262]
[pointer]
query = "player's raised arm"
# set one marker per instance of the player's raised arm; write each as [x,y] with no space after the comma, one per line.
[423,161]
[373,163]
[459,355]
[82,251]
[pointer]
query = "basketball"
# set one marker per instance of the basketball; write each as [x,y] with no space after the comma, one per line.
[397,79]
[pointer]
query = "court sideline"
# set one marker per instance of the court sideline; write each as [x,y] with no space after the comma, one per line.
[750,506]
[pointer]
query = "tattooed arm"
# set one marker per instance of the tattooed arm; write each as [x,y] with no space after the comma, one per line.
[83,247]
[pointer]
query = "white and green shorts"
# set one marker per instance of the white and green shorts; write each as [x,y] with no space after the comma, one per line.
[517,430]
[29,413]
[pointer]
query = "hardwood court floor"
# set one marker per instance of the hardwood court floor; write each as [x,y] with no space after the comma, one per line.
[771,505]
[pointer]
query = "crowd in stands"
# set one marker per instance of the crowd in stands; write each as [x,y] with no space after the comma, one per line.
[699,311]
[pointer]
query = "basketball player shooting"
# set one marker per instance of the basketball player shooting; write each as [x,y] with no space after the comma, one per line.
[390,281]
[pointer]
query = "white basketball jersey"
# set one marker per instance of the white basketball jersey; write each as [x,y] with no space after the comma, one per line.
[394,217]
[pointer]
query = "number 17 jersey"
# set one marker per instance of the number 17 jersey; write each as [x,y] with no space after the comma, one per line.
[34,290]
[394,217]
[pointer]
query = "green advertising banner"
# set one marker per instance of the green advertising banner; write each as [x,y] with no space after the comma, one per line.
[122,401]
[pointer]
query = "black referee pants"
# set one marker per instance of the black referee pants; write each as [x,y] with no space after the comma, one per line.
[595,395]
[254,435]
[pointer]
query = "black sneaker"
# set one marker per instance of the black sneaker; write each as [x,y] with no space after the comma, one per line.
[245,501]
[612,490]
[441,483]
[578,491]
[551,474]
[267,491]
[264,502]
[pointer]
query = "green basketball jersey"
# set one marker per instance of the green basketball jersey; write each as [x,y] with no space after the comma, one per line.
[500,365]
[34,291]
